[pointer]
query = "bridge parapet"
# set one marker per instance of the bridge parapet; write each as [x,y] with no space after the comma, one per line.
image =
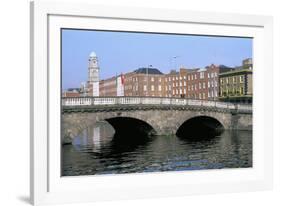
[99,101]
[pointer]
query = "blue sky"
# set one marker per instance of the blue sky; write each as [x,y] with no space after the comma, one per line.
[126,51]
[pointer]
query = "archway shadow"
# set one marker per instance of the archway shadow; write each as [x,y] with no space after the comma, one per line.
[200,128]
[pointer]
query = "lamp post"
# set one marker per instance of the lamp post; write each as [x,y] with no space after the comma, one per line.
[175,57]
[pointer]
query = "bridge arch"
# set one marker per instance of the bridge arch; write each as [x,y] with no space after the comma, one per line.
[201,127]
[128,127]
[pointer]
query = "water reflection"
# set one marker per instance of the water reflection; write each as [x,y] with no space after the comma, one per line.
[95,151]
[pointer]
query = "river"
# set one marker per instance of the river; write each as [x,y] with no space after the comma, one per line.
[95,151]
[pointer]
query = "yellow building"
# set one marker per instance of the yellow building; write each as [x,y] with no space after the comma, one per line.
[236,86]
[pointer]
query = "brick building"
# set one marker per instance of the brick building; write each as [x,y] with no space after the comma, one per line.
[107,87]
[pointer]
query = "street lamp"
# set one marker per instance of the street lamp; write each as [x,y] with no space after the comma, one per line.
[175,57]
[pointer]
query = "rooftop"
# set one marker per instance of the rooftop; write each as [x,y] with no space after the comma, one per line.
[145,70]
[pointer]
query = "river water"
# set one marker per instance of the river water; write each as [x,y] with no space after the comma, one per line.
[95,151]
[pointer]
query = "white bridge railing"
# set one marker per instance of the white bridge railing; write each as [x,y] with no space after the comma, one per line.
[88,101]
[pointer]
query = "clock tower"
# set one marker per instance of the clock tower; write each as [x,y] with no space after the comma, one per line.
[93,75]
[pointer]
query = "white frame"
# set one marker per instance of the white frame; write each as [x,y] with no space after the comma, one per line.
[47,187]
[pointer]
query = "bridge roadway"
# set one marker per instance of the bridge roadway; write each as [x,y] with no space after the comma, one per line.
[152,115]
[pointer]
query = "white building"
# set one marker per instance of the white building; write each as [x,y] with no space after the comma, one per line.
[93,75]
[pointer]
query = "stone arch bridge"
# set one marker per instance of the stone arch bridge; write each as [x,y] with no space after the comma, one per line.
[149,115]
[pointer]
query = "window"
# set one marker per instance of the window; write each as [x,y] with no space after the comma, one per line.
[192,87]
[159,88]
[160,79]
[195,87]
[241,79]
[208,84]
[180,84]
[184,83]
[184,91]
[176,78]
[204,85]
[144,88]
[166,79]
[195,76]
[199,85]
[152,79]
[188,88]
[169,79]
[191,77]
[201,75]
[188,77]
[208,75]
[173,78]
[152,87]
[170,88]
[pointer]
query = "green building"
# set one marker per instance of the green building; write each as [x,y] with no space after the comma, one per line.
[236,85]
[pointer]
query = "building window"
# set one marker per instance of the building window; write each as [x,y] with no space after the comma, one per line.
[169,79]
[184,83]
[184,77]
[159,79]
[204,85]
[208,75]
[191,77]
[201,75]
[170,88]
[152,79]
[241,79]
[195,76]
[159,88]
[152,87]
[144,88]
[195,87]
[184,91]
[188,88]
[199,85]
[180,84]
[188,77]
[208,84]
[192,87]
